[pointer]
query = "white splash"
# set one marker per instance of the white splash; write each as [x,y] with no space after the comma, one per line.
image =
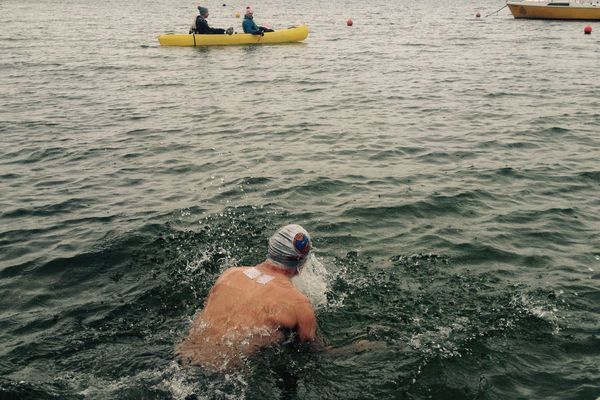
[177,382]
[544,311]
[312,281]
[181,382]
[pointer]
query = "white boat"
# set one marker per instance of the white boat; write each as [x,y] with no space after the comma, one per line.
[567,10]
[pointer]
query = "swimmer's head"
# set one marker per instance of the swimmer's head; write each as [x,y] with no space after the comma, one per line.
[289,247]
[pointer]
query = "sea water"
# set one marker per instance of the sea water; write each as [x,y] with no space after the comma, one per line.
[446,166]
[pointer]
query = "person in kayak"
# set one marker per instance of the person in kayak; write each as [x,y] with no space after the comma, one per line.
[200,26]
[250,308]
[250,26]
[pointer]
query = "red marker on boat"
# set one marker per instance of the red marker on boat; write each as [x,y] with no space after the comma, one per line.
[587,30]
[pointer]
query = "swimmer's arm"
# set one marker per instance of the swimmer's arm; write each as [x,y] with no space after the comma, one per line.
[306,329]
[306,323]
[311,342]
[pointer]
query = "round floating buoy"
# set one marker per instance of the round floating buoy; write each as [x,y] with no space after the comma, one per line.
[349,22]
[237,14]
[224,5]
[478,15]
[587,30]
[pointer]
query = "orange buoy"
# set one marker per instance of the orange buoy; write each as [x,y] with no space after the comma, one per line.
[587,30]
[349,22]
[478,15]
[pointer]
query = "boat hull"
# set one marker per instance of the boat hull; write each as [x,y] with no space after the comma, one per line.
[564,11]
[294,34]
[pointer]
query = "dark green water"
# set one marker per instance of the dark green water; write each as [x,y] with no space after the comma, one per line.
[446,166]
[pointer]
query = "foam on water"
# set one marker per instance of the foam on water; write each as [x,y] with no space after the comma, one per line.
[182,382]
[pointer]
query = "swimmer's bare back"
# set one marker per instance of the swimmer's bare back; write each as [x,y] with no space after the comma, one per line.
[247,309]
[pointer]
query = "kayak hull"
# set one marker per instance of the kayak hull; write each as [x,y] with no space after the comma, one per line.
[294,34]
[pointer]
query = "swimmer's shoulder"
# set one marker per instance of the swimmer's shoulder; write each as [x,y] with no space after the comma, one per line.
[290,292]
[234,270]
[230,273]
[301,297]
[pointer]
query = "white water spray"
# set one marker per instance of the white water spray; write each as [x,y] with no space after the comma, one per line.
[312,281]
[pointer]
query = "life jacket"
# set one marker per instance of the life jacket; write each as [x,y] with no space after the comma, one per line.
[249,25]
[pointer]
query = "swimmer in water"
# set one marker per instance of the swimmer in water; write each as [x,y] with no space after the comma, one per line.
[248,308]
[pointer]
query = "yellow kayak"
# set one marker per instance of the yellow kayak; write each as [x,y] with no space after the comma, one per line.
[293,34]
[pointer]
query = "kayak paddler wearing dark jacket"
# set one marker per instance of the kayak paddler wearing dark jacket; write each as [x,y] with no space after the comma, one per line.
[250,26]
[201,27]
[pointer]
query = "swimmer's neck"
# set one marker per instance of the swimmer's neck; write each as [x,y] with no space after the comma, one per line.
[267,266]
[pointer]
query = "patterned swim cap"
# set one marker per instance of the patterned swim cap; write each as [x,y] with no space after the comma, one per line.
[289,247]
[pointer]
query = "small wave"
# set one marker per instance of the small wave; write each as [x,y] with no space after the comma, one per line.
[593,176]
[556,130]
[63,207]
